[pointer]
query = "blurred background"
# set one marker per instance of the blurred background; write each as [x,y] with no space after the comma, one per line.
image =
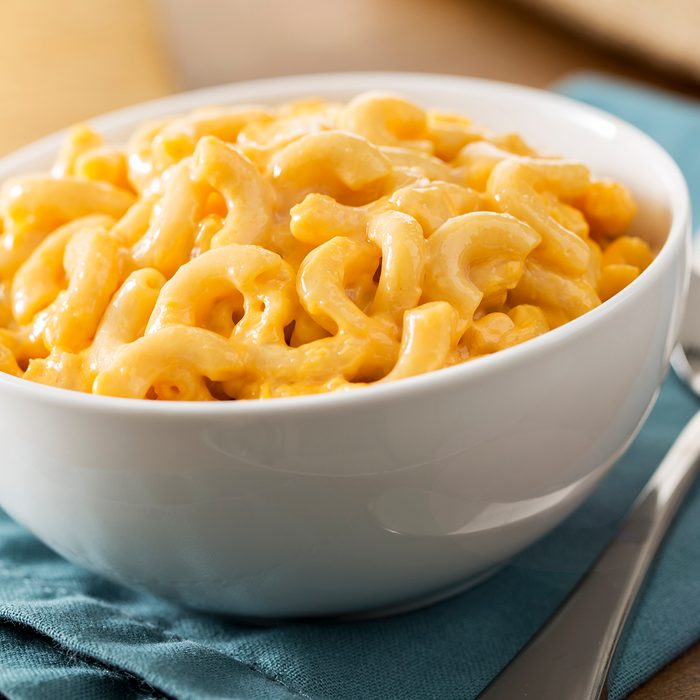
[61,62]
[64,61]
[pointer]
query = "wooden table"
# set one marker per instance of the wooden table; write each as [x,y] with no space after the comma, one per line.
[62,62]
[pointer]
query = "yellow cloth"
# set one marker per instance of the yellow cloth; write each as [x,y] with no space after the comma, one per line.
[47,82]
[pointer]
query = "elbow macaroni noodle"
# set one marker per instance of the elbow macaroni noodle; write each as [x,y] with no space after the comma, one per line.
[252,252]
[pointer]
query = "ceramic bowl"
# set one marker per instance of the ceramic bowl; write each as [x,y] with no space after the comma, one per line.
[384,497]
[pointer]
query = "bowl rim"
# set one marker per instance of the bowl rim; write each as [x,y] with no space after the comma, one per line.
[247,91]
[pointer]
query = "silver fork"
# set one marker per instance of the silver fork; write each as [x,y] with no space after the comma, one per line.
[569,658]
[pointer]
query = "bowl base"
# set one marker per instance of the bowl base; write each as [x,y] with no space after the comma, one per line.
[376,613]
[422,602]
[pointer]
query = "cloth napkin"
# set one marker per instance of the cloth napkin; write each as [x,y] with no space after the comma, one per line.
[65,633]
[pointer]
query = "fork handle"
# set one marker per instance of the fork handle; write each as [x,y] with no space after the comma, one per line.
[570,656]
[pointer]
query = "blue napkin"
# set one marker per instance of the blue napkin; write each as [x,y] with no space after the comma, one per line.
[65,633]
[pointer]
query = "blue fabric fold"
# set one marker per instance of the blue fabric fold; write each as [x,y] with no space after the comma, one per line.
[65,633]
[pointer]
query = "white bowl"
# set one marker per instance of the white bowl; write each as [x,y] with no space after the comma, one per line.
[383,497]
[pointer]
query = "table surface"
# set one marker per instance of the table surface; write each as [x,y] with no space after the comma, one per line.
[64,62]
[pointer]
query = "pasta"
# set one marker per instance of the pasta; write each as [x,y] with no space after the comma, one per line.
[253,252]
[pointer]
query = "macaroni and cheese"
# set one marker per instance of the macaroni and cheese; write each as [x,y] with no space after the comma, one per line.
[254,252]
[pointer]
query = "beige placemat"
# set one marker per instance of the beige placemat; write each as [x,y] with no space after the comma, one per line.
[661,32]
